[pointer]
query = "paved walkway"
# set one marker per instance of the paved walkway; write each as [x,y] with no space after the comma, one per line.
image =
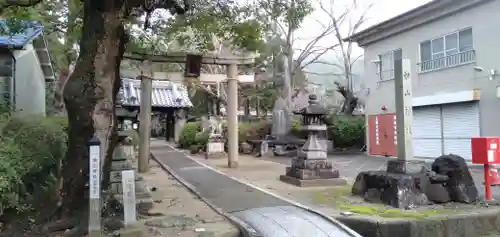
[222,191]
[172,218]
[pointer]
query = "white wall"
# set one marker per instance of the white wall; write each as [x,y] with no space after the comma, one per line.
[29,83]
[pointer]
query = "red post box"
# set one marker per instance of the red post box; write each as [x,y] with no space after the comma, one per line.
[485,150]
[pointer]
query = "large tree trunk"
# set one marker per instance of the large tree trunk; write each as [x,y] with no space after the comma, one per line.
[89,96]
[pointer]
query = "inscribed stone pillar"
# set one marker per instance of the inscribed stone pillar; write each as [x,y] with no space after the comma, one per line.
[404,117]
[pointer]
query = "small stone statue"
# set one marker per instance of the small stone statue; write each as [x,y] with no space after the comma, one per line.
[215,144]
[215,127]
[180,121]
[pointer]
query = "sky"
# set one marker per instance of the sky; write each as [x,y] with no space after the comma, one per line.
[379,11]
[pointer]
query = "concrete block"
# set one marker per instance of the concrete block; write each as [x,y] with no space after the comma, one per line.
[313,182]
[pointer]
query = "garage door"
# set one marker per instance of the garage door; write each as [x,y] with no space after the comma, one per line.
[460,123]
[427,131]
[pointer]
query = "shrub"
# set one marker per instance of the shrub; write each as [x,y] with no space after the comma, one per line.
[347,131]
[192,139]
[297,129]
[188,135]
[254,130]
[31,151]
[200,142]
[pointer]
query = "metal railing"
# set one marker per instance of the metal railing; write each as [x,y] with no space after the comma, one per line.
[448,61]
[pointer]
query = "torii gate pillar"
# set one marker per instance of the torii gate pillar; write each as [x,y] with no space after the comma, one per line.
[232,115]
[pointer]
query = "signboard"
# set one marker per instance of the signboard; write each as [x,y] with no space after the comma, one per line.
[95,172]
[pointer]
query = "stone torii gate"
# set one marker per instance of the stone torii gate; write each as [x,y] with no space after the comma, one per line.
[230,61]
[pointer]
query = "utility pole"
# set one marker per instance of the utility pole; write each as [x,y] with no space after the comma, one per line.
[145,115]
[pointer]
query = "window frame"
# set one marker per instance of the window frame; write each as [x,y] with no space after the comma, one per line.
[443,37]
[380,70]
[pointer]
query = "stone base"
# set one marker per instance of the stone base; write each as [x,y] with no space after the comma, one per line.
[216,155]
[215,148]
[312,172]
[404,167]
[313,182]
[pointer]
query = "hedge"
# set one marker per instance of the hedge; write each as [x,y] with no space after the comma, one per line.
[31,151]
[347,131]
[344,131]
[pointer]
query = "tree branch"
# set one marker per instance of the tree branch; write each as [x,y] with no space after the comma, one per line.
[18,3]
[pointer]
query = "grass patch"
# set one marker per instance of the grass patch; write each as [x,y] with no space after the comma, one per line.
[372,210]
[337,197]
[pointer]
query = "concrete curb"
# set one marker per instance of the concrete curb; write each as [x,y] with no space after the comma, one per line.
[463,225]
[245,230]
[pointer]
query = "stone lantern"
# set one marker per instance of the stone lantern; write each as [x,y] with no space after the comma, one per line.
[311,166]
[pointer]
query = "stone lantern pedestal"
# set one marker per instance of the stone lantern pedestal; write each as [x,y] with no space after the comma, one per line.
[311,167]
[215,147]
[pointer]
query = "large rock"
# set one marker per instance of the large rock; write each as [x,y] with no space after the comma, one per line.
[460,185]
[397,189]
[431,184]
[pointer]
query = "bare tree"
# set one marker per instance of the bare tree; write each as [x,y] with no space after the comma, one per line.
[284,18]
[345,23]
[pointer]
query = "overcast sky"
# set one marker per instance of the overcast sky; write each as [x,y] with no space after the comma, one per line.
[380,10]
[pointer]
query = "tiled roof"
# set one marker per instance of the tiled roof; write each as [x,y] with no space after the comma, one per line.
[33,29]
[165,94]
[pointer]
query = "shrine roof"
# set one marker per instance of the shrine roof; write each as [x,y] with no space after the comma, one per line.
[165,94]
[30,30]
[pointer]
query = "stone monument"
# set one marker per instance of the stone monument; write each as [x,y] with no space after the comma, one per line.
[311,166]
[281,117]
[215,143]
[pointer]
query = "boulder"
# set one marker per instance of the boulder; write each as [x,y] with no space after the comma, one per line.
[396,189]
[431,184]
[373,195]
[460,185]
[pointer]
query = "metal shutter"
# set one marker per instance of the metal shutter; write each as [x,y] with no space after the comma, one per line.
[427,131]
[460,123]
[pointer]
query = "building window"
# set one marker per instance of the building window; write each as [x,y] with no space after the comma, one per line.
[447,51]
[386,67]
